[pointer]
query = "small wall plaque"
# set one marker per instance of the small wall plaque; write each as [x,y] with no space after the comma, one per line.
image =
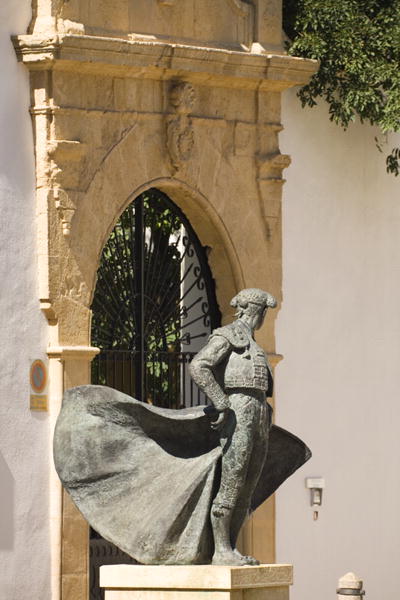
[38,381]
[38,402]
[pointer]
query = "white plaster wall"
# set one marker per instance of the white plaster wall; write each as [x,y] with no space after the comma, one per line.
[24,435]
[339,331]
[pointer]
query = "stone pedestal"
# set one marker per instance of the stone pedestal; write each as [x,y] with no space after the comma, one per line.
[196,582]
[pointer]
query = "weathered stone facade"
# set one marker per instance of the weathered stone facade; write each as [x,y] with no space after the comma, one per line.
[181,96]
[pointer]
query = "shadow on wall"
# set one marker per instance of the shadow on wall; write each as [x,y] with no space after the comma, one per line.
[7,485]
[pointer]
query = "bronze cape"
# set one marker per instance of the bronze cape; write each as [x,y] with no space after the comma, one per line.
[145,477]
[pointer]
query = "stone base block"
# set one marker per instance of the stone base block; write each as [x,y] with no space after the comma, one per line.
[196,582]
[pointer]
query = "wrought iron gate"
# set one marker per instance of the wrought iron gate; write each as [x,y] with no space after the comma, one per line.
[153,308]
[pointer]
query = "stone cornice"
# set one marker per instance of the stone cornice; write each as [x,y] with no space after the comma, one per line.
[129,58]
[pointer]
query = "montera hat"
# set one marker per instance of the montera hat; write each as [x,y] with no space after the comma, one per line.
[253,296]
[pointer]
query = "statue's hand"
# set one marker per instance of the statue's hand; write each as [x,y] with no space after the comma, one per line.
[217,417]
[218,423]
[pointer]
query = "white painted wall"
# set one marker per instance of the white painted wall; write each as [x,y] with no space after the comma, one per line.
[339,331]
[24,435]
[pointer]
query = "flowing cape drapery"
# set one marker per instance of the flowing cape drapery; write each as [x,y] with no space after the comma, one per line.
[145,477]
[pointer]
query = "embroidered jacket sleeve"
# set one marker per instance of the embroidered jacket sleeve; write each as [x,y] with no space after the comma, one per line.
[203,365]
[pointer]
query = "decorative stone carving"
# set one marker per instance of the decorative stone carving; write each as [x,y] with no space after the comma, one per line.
[270,166]
[65,209]
[74,288]
[244,139]
[242,8]
[180,134]
[71,150]
[62,169]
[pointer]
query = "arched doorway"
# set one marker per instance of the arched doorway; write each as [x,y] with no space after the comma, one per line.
[154,304]
[153,307]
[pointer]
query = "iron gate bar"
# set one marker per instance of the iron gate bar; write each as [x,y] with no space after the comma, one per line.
[110,365]
[138,252]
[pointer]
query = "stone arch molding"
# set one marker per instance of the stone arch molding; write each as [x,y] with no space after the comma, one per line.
[122,176]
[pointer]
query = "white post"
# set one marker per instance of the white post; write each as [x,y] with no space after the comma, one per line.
[350,586]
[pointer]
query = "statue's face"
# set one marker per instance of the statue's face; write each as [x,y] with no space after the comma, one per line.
[259,317]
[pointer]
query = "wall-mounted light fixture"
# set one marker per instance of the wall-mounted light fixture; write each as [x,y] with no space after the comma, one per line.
[315,485]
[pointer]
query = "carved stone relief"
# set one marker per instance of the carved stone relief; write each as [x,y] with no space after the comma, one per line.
[65,209]
[270,166]
[180,134]
[242,8]
[244,139]
[66,150]
[74,288]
